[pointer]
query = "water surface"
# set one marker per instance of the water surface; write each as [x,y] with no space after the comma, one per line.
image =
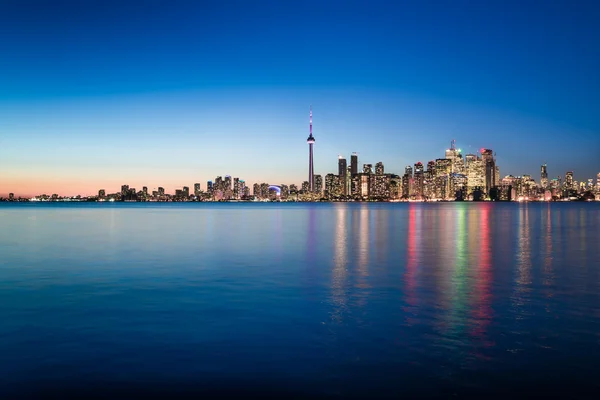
[316,299]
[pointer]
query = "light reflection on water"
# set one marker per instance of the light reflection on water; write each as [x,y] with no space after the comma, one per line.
[333,297]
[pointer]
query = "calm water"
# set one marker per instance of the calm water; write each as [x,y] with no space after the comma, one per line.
[316,299]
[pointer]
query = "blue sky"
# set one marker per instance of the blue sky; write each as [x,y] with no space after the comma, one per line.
[95,94]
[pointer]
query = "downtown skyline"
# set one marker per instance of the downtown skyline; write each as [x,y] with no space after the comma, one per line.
[95,95]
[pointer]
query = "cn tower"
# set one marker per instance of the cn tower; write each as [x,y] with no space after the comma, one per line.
[311,171]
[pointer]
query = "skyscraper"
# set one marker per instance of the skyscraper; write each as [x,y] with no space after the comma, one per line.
[196,189]
[544,176]
[379,168]
[487,155]
[342,173]
[353,164]
[311,171]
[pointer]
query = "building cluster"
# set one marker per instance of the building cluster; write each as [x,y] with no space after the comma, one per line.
[455,177]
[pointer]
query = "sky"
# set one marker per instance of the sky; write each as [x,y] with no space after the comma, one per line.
[96,94]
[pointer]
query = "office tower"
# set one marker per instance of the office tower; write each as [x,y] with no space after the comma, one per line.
[11,196]
[406,186]
[379,186]
[124,190]
[364,185]
[598,183]
[569,180]
[476,174]
[209,187]
[246,191]
[367,169]
[227,188]
[342,173]
[418,180]
[544,176]
[101,193]
[318,184]
[196,189]
[497,175]
[408,171]
[353,164]
[186,191]
[256,190]
[293,188]
[311,171]
[454,155]
[487,156]
[379,168]
[161,191]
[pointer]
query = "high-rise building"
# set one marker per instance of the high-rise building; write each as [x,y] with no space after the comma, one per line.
[476,174]
[318,184]
[161,191]
[196,189]
[305,187]
[11,196]
[331,184]
[186,191]
[256,190]
[487,156]
[418,181]
[544,176]
[598,183]
[353,164]
[124,190]
[311,142]
[454,155]
[101,193]
[379,168]
[342,173]
[145,190]
[569,184]
[408,170]
[367,168]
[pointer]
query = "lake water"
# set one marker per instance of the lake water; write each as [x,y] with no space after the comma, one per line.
[452,299]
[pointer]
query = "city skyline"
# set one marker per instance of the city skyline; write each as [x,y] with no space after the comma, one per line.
[97,94]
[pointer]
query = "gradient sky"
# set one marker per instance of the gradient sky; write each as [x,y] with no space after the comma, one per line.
[96,94]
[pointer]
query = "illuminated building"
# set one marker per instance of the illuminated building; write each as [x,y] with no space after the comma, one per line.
[145,190]
[101,193]
[285,192]
[458,186]
[256,190]
[209,187]
[264,190]
[418,181]
[318,184]
[293,189]
[353,164]
[598,183]
[454,155]
[408,171]
[367,168]
[246,191]
[342,173]
[305,187]
[379,168]
[406,184]
[331,184]
[378,187]
[124,190]
[544,176]
[311,142]
[443,169]
[569,180]
[11,196]
[186,191]
[487,156]
[161,191]
[364,185]
[476,174]
[236,188]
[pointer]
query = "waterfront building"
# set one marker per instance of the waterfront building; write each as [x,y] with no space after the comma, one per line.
[544,176]
[342,173]
[318,186]
[101,193]
[418,181]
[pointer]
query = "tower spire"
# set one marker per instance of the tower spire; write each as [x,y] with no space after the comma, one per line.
[311,120]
